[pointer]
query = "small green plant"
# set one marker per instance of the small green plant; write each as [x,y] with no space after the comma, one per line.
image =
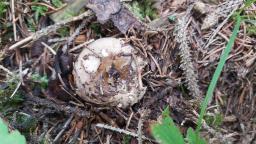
[126,139]
[13,137]
[214,120]
[63,32]
[172,18]
[42,80]
[96,27]
[250,21]
[31,24]
[3,7]
[39,10]
[8,103]
[24,122]
[144,8]
[251,30]
[166,132]
[57,3]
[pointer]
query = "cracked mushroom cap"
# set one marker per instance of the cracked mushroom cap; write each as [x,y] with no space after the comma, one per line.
[106,72]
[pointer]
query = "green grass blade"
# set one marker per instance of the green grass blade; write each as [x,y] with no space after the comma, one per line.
[217,73]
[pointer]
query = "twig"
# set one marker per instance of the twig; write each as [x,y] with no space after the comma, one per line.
[49,29]
[143,114]
[209,41]
[100,125]
[63,129]
[6,70]
[139,132]
[81,45]
[16,89]
[156,63]
[13,20]
[49,48]
[76,33]
[22,42]
[54,40]
[129,120]
[42,4]
[20,73]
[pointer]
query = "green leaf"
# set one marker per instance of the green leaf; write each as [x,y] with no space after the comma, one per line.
[166,132]
[144,8]
[39,11]
[193,138]
[3,7]
[172,18]
[57,3]
[13,138]
[42,80]
[3,128]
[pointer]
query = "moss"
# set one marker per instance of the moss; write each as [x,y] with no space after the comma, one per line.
[214,120]
[96,27]
[3,7]
[143,9]
[41,80]
[63,32]
[8,103]
[251,30]
[126,139]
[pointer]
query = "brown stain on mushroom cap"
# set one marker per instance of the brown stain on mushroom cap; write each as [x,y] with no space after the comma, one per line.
[113,65]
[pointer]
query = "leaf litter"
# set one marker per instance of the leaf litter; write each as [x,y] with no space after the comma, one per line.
[98,81]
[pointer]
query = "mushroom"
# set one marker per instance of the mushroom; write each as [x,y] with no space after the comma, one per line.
[107,72]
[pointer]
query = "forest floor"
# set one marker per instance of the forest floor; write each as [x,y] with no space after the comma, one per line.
[51,91]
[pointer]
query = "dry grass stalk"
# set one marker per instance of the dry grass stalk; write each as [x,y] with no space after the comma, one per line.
[186,60]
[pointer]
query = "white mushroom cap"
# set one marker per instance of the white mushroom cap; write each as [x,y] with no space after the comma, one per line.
[89,71]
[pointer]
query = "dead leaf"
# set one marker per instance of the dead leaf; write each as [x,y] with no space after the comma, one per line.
[112,10]
[124,20]
[104,8]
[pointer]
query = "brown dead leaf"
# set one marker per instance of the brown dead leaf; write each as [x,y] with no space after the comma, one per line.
[104,8]
[124,20]
[112,10]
